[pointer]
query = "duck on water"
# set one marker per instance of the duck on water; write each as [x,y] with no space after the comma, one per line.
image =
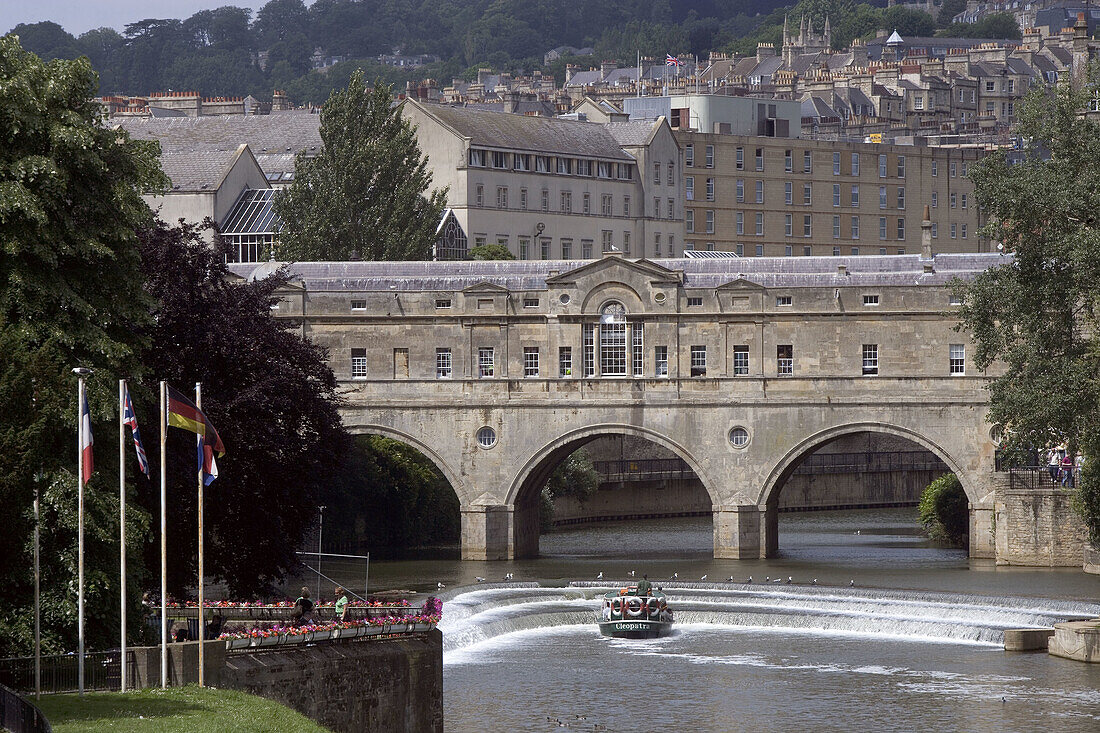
[635,612]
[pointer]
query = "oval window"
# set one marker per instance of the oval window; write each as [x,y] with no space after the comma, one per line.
[486,437]
[739,437]
[564,299]
[659,297]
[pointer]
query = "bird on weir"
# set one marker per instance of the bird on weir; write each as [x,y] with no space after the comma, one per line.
[600,576]
[813,582]
[851,583]
[790,579]
[479,579]
[631,573]
[704,577]
[674,576]
[749,580]
[440,586]
[729,579]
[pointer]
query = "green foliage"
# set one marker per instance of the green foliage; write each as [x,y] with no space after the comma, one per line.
[948,10]
[388,494]
[575,476]
[175,710]
[997,25]
[907,22]
[491,252]
[70,294]
[365,194]
[1038,315]
[944,510]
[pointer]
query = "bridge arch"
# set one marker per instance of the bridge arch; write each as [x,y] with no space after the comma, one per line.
[452,476]
[785,467]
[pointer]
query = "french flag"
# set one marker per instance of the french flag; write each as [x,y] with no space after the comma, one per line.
[86,440]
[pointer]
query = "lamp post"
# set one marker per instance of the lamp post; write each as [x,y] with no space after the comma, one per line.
[320,528]
[81,373]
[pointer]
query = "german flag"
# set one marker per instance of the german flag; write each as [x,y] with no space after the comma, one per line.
[182,413]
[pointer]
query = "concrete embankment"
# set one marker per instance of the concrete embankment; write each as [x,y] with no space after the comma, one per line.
[1027,640]
[1079,640]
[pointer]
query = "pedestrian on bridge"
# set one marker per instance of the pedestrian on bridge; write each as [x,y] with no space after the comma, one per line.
[341,604]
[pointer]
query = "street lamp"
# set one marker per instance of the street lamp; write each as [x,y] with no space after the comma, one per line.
[81,373]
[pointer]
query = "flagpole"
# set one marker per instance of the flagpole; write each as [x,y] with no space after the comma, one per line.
[202,609]
[163,536]
[122,528]
[80,529]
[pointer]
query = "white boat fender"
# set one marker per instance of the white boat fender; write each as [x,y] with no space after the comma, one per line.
[653,604]
[634,606]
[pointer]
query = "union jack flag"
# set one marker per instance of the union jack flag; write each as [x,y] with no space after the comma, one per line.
[130,420]
[672,60]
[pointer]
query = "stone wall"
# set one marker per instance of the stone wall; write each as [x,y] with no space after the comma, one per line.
[388,686]
[1037,526]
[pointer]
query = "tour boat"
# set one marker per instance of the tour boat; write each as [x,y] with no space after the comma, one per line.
[627,615]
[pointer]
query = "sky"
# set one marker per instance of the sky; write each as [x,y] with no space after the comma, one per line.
[78,16]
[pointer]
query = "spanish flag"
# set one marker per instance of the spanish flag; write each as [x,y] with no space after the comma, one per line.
[182,413]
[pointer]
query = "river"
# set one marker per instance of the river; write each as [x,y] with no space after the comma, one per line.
[896,634]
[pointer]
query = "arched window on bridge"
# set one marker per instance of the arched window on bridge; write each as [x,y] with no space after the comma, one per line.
[618,341]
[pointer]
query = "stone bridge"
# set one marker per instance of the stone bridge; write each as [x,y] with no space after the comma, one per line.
[497,371]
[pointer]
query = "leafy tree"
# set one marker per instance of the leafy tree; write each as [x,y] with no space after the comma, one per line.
[70,294]
[269,392]
[944,510]
[576,476]
[948,10]
[365,193]
[907,22]
[996,25]
[491,252]
[47,40]
[1038,314]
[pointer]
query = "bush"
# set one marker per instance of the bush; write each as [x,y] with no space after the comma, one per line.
[944,510]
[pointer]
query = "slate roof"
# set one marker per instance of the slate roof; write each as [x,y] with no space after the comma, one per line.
[278,132]
[520,275]
[536,134]
[584,79]
[197,171]
[629,134]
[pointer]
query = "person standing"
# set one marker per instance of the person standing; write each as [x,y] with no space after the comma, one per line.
[341,604]
[644,586]
[303,608]
[1053,464]
[1067,471]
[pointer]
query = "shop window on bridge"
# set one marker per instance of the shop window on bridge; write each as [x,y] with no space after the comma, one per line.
[358,363]
[530,361]
[958,359]
[870,360]
[698,361]
[784,360]
[565,361]
[637,346]
[660,361]
[614,343]
[485,362]
[442,363]
[613,340]
[740,360]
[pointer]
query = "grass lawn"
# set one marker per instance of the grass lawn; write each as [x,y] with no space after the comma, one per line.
[184,709]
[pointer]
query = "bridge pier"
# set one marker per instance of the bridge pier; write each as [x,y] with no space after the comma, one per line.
[500,532]
[740,532]
[982,537]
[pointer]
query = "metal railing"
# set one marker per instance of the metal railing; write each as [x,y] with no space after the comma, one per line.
[59,672]
[20,715]
[817,463]
[643,468]
[1043,477]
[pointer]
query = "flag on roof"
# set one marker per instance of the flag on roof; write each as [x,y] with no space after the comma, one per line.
[130,420]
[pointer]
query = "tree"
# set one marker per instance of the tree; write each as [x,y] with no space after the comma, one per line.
[576,476]
[1038,314]
[948,10]
[907,22]
[267,389]
[997,25]
[70,294]
[944,510]
[365,193]
[491,252]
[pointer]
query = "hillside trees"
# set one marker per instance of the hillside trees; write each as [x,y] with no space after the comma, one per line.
[366,193]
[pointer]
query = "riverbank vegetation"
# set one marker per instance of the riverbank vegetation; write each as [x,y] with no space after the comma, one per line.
[944,511]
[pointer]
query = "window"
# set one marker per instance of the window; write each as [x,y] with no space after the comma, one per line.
[740,159]
[964,162]
[935,167]
[836,228]
[698,361]
[567,249]
[358,363]
[882,197]
[524,248]
[586,249]
[788,193]
[882,227]
[530,302]
[855,251]
[990,85]
[918,103]
[952,166]
[759,192]
[739,249]
[953,197]
[671,208]
[901,197]
[689,155]
[882,166]
[788,161]
[671,180]
[479,195]
[485,362]
[788,225]
[689,187]
[586,203]
[613,340]
[442,363]
[710,189]
[523,199]
[759,224]
[957,356]
[760,159]
[477,158]
[603,170]
[836,194]
[657,173]
[963,200]
[442,302]
[807,194]
[626,242]
[637,349]
[901,166]
[953,231]
[546,199]
[358,305]
[530,361]
[710,221]
[807,251]
[605,204]
[542,164]
[740,360]
[502,197]
[740,219]
[807,162]
[499,160]
[782,300]
[759,250]
[660,361]
[836,251]
[521,162]
[656,212]
[544,248]
[694,302]
[870,360]
[788,250]
[935,230]
[882,250]
[855,197]
[806,225]
[901,228]
[836,164]
[566,202]
[486,437]
[689,220]
[565,166]
[710,156]
[584,167]
[565,361]
[607,240]
[739,437]
[963,231]
[870,299]
[739,188]
[855,164]
[935,200]
[784,360]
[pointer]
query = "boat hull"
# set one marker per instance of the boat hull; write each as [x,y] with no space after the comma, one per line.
[635,629]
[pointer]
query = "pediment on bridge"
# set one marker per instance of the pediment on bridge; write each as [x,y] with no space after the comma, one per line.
[742,285]
[486,287]
[613,266]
